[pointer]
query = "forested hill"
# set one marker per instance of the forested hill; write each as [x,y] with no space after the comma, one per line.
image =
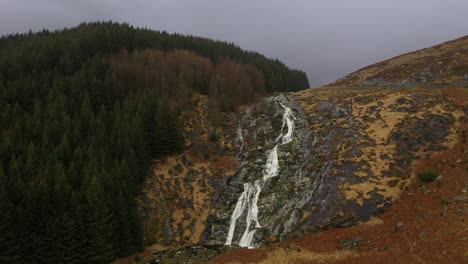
[69,46]
[83,113]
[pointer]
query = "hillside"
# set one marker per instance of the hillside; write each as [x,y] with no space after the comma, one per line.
[440,65]
[326,175]
[426,222]
[127,145]
[87,113]
[349,172]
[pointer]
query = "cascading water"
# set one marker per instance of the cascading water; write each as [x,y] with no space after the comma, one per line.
[272,166]
[250,195]
[240,206]
[240,141]
[287,120]
[252,215]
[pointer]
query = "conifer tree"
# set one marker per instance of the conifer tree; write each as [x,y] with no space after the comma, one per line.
[8,244]
[99,224]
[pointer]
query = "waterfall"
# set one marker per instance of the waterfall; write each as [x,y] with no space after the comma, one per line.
[240,141]
[252,216]
[288,121]
[272,166]
[240,206]
[249,197]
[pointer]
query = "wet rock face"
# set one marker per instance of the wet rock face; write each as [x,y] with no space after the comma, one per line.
[306,193]
[261,126]
[348,159]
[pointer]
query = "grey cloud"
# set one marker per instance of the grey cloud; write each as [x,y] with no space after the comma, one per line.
[325,38]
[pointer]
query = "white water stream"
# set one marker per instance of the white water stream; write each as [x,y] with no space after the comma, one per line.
[272,166]
[252,215]
[240,206]
[249,197]
[287,120]
[240,141]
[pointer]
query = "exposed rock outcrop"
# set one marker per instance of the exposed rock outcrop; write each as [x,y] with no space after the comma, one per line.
[348,161]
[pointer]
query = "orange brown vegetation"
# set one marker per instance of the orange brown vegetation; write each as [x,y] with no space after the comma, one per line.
[426,224]
[374,110]
[176,75]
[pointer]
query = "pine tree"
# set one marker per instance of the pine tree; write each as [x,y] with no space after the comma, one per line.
[69,247]
[33,217]
[98,217]
[136,228]
[123,239]
[8,244]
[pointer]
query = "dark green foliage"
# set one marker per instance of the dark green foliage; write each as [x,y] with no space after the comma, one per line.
[76,142]
[7,235]
[427,175]
[99,225]
[71,135]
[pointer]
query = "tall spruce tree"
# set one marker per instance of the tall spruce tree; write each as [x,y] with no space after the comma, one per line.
[99,224]
[8,246]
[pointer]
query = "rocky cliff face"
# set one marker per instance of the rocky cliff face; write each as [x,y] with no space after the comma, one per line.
[176,199]
[261,125]
[349,159]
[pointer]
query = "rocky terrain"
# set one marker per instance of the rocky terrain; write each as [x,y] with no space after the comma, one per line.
[426,224]
[352,156]
[349,160]
[176,199]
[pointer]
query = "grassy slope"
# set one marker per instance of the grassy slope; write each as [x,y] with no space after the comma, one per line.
[443,63]
[432,216]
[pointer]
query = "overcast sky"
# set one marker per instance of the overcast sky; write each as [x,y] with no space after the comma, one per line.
[325,38]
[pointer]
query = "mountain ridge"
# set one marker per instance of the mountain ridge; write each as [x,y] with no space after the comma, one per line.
[442,64]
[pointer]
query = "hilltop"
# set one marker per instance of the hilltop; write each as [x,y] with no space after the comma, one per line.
[438,66]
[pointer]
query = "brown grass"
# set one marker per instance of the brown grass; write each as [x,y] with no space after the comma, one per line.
[432,216]
[446,61]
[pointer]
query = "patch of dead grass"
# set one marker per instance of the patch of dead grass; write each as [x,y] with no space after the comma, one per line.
[298,255]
